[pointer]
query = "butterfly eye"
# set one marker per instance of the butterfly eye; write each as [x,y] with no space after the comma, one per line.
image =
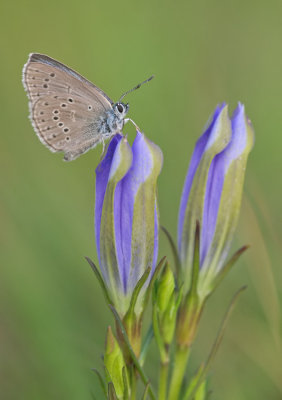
[120,108]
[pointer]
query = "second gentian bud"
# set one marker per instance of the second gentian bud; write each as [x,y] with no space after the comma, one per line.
[166,300]
[114,365]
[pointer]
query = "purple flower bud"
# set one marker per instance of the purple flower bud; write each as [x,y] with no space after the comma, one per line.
[212,193]
[126,216]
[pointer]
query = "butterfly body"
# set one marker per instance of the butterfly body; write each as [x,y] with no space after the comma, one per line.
[68,112]
[112,120]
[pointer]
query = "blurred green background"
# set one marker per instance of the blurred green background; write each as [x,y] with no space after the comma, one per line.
[52,314]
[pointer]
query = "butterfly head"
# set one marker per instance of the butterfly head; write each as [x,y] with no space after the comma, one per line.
[120,110]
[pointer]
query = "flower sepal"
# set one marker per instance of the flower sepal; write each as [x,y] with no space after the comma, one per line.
[111,392]
[100,281]
[188,319]
[226,268]
[133,321]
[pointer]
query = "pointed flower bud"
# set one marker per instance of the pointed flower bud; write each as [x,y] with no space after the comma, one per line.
[212,194]
[114,364]
[166,286]
[168,320]
[166,301]
[126,217]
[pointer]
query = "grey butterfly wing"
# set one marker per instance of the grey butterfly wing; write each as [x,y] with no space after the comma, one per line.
[65,108]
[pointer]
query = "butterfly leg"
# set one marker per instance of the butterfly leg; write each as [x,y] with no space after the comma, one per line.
[104,145]
[129,119]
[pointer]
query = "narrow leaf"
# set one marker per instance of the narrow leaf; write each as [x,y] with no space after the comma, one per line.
[145,346]
[174,251]
[137,289]
[228,265]
[145,392]
[93,396]
[203,370]
[222,328]
[196,260]
[100,280]
[101,381]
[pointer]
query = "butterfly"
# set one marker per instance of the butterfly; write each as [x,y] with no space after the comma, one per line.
[69,113]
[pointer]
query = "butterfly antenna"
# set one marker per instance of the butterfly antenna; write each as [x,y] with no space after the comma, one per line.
[137,87]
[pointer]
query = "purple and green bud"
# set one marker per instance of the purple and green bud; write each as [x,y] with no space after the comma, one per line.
[212,195]
[126,218]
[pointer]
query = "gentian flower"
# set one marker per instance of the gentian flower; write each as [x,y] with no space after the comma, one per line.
[212,194]
[126,217]
[208,216]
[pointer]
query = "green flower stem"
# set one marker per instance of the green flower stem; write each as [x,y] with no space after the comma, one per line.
[163,381]
[179,368]
[133,383]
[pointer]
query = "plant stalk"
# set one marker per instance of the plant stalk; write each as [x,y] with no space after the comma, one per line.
[163,381]
[133,383]
[179,368]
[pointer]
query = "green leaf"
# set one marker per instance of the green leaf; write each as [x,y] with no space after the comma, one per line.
[100,280]
[174,252]
[101,381]
[228,265]
[144,397]
[196,261]
[145,346]
[204,369]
